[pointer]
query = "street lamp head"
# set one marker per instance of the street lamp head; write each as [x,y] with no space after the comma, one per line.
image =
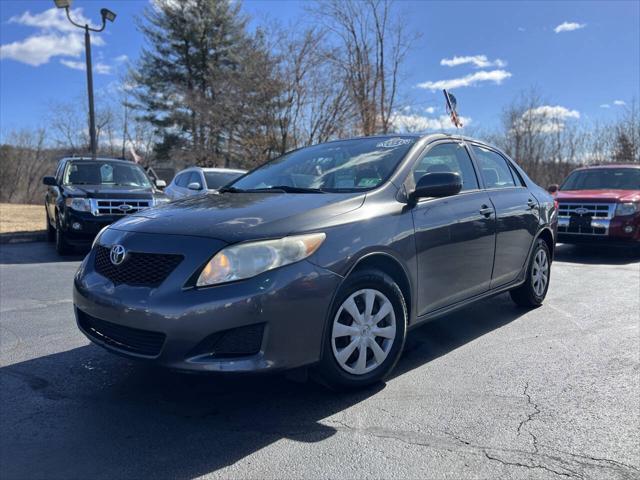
[106,14]
[62,3]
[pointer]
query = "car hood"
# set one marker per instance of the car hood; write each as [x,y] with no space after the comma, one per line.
[101,191]
[234,217]
[599,195]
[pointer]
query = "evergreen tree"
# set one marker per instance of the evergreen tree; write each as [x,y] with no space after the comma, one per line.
[202,79]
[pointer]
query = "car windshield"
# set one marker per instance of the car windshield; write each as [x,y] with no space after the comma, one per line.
[603,179]
[101,172]
[342,166]
[219,179]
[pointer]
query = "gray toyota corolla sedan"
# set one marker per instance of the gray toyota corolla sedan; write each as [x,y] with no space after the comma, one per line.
[324,257]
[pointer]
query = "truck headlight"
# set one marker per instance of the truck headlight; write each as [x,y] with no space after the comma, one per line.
[627,208]
[80,204]
[249,259]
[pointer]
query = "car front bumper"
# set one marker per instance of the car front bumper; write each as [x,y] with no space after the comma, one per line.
[286,307]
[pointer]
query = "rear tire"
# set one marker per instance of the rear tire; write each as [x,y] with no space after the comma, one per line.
[51,231]
[532,292]
[62,247]
[365,332]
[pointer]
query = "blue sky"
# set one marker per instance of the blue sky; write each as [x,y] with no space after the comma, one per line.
[583,57]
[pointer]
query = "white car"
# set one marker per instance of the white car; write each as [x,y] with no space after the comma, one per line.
[196,181]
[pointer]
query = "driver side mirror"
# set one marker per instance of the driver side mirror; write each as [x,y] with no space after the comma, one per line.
[439,184]
[553,188]
[161,183]
[194,186]
[49,181]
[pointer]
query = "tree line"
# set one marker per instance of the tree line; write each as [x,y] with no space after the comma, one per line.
[208,89]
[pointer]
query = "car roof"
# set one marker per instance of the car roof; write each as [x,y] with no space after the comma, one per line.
[212,169]
[100,159]
[607,165]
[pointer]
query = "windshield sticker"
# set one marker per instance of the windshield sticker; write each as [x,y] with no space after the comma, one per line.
[394,142]
[368,182]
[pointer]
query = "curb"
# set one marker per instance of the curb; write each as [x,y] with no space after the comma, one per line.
[23,237]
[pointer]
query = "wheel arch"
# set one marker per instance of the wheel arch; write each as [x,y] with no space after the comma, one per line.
[546,235]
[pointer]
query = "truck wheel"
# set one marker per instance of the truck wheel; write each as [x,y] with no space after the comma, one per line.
[365,333]
[532,292]
[62,247]
[51,231]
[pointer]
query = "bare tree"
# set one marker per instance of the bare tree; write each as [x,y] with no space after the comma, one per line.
[371,47]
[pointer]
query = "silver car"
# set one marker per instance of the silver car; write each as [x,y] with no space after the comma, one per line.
[196,180]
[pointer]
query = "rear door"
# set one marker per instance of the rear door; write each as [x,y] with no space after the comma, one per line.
[516,214]
[455,236]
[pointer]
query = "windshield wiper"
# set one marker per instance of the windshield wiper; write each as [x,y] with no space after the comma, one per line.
[287,189]
[231,190]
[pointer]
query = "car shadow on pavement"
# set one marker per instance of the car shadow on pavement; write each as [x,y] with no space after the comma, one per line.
[36,252]
[597,254]
[85,413]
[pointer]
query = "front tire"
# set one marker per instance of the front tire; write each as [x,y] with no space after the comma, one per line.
[365,333]
[62,247]
[532,292]
[51,231]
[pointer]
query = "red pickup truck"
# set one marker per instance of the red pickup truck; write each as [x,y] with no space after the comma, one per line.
[600,204]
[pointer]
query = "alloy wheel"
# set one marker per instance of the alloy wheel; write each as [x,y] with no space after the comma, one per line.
[540,273]
[364,329]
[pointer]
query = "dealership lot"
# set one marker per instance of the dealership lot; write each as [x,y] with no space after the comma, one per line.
[489,391]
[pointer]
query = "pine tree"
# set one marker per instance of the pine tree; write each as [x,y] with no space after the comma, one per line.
[201,79]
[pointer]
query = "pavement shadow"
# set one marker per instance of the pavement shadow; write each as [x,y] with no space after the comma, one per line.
[597,254]
[85,413]
[36,252]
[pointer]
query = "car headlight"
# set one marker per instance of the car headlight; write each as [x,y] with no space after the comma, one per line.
[249,259]
[160,200]
[80,204]
[627,208]
[97,239]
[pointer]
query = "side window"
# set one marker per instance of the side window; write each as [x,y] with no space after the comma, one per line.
[516,176]
[493,168]
[182,180]
[195,178]
[446,157]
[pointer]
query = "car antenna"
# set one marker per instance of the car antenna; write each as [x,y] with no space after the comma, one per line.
[450,105]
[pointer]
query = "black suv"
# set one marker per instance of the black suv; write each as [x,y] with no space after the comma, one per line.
[85,195]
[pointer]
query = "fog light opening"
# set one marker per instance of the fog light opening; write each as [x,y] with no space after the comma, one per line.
[76,226]
[628,229]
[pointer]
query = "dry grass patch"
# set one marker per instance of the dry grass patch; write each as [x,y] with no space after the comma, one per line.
[15,217]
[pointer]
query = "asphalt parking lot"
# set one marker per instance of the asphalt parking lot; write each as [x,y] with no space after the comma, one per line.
[489,391]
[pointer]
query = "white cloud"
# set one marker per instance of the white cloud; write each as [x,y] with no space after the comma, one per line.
[605,105]
[495,76]
[620,103]
[478,61]
[52,19]
[121,59]
[430,109]
[56,37]
[99,68]
[569,27]
[420,123]
[549,118]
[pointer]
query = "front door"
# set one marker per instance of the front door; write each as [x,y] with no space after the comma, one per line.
[455,236]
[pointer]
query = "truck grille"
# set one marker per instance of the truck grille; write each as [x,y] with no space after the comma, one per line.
[134,340]
[138,269]
[585,218]
[119,206]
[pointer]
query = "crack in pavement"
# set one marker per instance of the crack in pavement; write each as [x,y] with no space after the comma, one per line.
[529,417]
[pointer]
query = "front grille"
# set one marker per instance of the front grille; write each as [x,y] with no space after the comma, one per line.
[119,206]
[134,340]
[585,218]
[235,342]
[137,269]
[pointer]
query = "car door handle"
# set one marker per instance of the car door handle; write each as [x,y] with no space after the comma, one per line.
[486,211]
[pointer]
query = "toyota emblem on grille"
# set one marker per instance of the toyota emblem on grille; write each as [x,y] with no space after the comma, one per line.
[117,254]
[124,207]
[581,210]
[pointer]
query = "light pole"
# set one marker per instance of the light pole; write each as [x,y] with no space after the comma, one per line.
[106,15]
